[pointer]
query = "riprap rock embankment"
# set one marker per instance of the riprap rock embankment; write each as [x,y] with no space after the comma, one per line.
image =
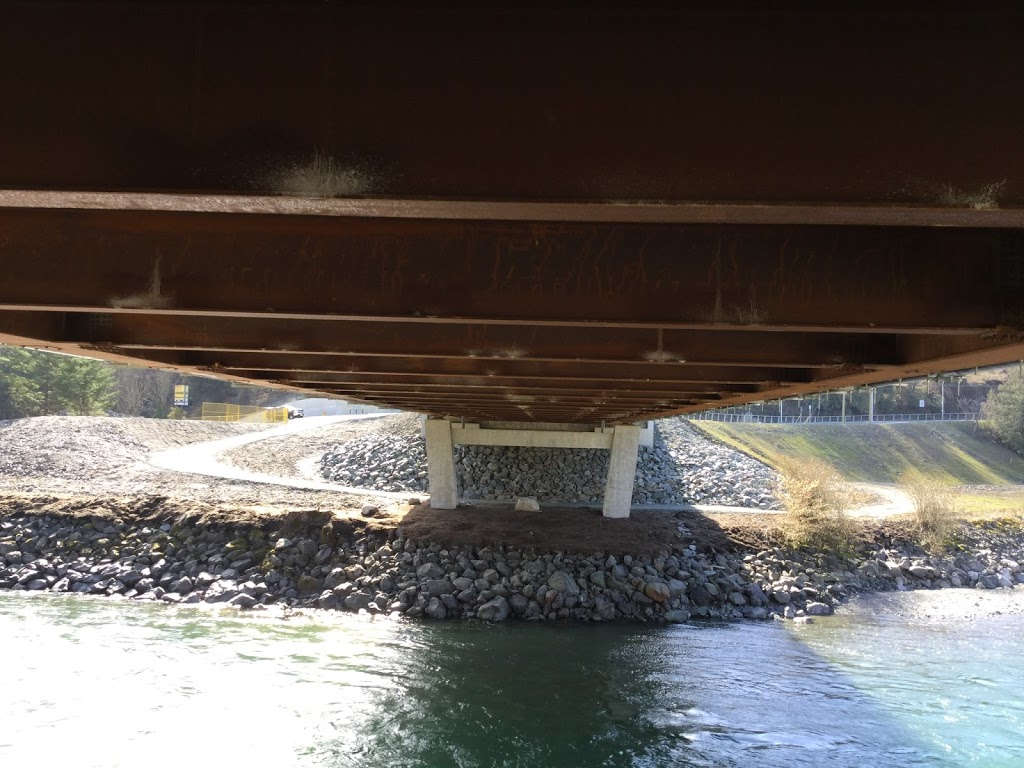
[309,559]
[683,467]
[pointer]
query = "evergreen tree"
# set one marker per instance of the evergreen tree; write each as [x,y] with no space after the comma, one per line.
[91,387]
[34,383]
[1005,409]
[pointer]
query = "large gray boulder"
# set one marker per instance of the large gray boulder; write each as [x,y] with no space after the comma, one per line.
[436,609]
[700,596]
[676,588]
[429,571]
[561,581]
[494,610]
[657,591]
[438,587]
[358,601]
[242,600]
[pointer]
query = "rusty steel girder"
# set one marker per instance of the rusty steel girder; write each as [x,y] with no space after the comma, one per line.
[544,213]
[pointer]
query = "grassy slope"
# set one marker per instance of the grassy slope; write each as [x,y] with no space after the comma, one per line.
[954,454]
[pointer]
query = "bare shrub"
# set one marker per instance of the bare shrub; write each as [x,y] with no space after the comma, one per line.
[816,499]
[935,510]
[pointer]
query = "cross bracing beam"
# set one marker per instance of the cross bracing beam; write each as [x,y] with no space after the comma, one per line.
[486,322]
[517,271]
[137,334]
[324,377]
[540,391]
[632,212]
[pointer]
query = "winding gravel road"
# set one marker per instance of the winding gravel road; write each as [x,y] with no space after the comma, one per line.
[204,458]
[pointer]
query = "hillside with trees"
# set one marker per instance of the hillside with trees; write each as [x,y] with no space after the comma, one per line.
[38,383]
[1004,409]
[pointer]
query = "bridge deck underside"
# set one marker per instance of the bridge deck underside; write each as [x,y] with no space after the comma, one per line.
[488,213]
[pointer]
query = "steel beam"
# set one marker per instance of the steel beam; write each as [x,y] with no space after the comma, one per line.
[443,322]
[892,277]
[732,346]
[626,212]
[849,102]
[647,392]
[326,378]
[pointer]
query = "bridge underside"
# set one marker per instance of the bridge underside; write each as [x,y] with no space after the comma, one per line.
[533,215]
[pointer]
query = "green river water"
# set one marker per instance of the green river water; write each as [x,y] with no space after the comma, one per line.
[100,682]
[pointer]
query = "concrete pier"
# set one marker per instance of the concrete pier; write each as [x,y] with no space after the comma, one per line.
[441,464]
[618,488]
[623,441]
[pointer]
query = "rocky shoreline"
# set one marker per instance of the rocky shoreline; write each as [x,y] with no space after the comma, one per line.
[152,552]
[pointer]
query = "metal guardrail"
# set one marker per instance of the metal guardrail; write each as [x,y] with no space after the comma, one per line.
[880,418]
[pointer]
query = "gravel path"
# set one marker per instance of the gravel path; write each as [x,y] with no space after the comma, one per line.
[891,501]
[297,455]
[205,458]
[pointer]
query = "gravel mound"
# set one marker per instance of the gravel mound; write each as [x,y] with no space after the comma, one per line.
[70,447]
[684,466]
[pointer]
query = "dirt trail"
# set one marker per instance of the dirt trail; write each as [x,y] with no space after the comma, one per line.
[894,501]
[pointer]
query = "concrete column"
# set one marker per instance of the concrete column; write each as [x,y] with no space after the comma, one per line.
[441,464]
[618,490]
[871,403]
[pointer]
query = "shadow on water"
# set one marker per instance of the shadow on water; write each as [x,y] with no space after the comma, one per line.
[707,695]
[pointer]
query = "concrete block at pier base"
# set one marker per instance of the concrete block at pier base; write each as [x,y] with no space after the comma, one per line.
[527,504]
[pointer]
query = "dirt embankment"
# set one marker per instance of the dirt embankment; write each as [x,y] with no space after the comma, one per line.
[109,458]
